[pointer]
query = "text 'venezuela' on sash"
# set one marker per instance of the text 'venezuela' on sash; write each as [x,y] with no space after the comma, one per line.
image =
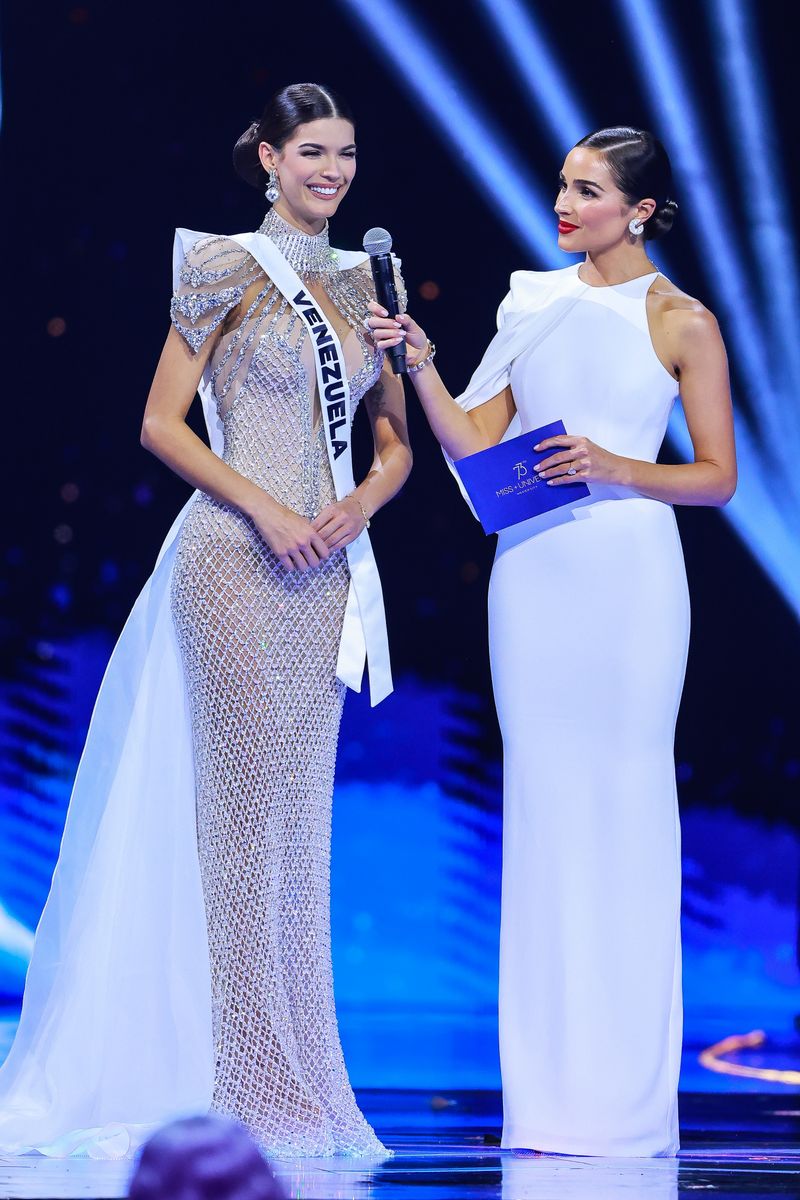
[331,371]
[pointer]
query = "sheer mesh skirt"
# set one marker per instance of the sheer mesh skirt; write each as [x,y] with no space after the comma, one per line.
[259,646]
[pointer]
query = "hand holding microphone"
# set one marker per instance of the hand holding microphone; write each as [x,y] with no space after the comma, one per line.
[393,332]
[388,332]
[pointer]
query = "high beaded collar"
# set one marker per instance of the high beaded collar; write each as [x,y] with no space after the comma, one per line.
[308,253]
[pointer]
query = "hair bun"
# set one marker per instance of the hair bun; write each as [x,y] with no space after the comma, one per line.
[661,220]
[246,162]
[640,168]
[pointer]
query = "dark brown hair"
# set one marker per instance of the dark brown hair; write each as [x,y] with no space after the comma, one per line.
[641,169]
[289,108]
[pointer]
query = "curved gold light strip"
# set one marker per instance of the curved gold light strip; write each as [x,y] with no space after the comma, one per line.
[711,1059]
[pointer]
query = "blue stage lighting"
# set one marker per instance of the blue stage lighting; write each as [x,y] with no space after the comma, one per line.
[483,150]
[766,516]
[764,190]
[702,195]
[766,525]
[536,66]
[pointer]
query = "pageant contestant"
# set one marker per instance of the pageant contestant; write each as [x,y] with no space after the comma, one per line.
[165,981]
[588,627]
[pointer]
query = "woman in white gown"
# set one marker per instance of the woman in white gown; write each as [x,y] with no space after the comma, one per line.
[588,628]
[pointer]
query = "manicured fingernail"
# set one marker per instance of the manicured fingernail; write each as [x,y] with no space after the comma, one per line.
[383,312]
[537,446]
[550,482]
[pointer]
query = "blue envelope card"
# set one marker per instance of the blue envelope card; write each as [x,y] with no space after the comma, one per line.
[503,485]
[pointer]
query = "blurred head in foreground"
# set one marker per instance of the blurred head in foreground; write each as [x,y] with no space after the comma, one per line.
[203,1158]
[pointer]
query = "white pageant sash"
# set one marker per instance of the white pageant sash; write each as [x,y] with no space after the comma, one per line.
[364,632]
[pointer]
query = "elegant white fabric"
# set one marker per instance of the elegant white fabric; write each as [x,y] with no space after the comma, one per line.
[114,1037]
[115,1033]
[589,623]
[535,305]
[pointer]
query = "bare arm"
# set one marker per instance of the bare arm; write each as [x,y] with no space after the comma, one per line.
[706,398]
[459,433]
[166,434]
[342,522]
[698,352]
[391,466]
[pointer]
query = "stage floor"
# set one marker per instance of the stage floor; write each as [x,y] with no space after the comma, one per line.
[736,1145]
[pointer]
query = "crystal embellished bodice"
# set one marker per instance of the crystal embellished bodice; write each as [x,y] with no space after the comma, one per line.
[259,647]
[262,369]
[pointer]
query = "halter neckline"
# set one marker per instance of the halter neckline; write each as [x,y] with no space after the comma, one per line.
[307,253]
[625,282]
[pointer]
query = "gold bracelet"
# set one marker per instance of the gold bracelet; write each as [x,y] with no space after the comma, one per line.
[363,510]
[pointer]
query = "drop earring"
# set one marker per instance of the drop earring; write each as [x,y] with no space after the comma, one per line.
[273,190]
[636,227]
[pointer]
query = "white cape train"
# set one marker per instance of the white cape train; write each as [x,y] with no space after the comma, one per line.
[114,1036]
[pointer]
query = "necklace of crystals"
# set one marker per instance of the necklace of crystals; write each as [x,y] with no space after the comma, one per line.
[310,254]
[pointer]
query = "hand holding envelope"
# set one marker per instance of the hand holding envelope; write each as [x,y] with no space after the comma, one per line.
[503,484]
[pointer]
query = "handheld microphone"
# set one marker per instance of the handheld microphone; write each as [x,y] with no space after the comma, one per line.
[378,243]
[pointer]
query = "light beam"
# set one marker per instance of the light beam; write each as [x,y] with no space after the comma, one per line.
[538,70]
[484,151]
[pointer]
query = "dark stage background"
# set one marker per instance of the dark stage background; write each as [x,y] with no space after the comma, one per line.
[118,125]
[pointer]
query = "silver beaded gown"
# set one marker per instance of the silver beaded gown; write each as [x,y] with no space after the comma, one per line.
[259,648]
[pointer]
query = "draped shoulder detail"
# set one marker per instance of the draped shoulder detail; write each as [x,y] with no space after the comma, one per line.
[535,304]
[210,276]
[528,289]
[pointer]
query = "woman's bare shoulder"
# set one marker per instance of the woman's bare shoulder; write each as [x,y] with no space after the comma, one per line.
[678,310]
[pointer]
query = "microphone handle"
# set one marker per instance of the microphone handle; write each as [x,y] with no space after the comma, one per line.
[386,295]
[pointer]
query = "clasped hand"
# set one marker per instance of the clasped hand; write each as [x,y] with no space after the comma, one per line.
[299,543]
[340,523]
[577,459]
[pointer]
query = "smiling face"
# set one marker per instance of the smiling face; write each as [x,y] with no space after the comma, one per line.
[593,214]
[315,168]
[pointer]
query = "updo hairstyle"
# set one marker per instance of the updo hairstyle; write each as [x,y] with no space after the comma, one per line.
[640,168]
[291,107]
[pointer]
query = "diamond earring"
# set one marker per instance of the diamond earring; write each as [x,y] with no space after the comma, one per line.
[273,190]
[636,227]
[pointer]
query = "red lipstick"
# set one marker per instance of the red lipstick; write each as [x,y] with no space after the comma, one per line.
[565,227]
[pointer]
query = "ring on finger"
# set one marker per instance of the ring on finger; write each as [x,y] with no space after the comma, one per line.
[572,471]
[367,325]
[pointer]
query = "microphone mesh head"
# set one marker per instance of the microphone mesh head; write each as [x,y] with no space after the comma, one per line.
[377,241]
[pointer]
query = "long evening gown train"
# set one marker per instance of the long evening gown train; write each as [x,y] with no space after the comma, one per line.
[183,958]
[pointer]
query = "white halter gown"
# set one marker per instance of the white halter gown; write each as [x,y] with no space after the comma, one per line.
[589,627]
